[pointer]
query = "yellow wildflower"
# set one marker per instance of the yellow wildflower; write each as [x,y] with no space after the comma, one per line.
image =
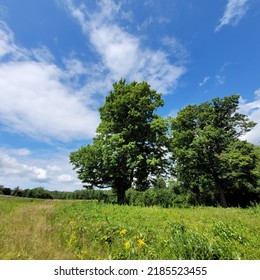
[140,242]
[72,223]
[122,232]
[127,245]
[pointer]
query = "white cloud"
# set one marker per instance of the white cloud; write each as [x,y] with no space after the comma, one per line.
[252,109]
[204,81]
[9,166]
[43,54]
[35,98]
[74,68]
[176,47]
[7,45]
[29,172]
[21,152]
[234,11]
[53,168]
[40,175]
[118,49]
[122,54]
[146,23]
[257,93]
[6,40]
[65,178]
[220,79]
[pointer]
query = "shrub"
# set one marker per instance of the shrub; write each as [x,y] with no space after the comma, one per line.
[6,191]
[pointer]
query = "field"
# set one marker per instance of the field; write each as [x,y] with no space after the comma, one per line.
[56,229]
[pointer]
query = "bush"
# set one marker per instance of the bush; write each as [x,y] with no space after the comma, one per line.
[6,191]
[160,196]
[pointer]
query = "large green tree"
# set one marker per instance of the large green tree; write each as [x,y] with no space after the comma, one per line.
[130,146]
[211,162]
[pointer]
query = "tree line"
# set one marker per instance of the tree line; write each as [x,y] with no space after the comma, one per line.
[159,195]
[41,193]
[200,149]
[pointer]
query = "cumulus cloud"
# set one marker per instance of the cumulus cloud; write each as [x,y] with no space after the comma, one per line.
[35,98]
[122,54]
[28,172]
[252,109]
[234,11]
[40,175]
[9,166]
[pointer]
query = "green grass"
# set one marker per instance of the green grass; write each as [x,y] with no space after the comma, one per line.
[45,229]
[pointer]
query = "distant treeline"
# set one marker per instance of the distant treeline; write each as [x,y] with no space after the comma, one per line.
[160,194]
[42,193]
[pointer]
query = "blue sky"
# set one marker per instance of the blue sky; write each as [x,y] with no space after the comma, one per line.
[59,58]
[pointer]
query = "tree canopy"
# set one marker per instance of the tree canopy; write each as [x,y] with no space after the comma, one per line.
[135,147]
[211,162]
[130,145]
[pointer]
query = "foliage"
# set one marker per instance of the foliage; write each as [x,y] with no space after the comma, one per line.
[257,169]
[151,197]
[40,192]
[37,193]
[159,183]
[17,192]
[131,143]
[6,191]
[212,165]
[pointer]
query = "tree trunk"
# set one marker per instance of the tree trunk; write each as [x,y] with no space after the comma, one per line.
[222,197]
[122,185]
[120,195]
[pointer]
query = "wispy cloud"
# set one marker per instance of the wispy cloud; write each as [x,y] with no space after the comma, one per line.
[145,24]
[8,48]
[234,11]
[21,152]
[121,53]
[220,79]
[177,48]
[204,81]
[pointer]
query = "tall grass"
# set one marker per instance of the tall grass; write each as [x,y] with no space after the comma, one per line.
[36,229]
[25,231]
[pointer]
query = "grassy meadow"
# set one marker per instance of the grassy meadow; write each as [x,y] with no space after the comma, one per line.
[58,229]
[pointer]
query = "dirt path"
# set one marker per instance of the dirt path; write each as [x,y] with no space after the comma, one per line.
[28,233]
